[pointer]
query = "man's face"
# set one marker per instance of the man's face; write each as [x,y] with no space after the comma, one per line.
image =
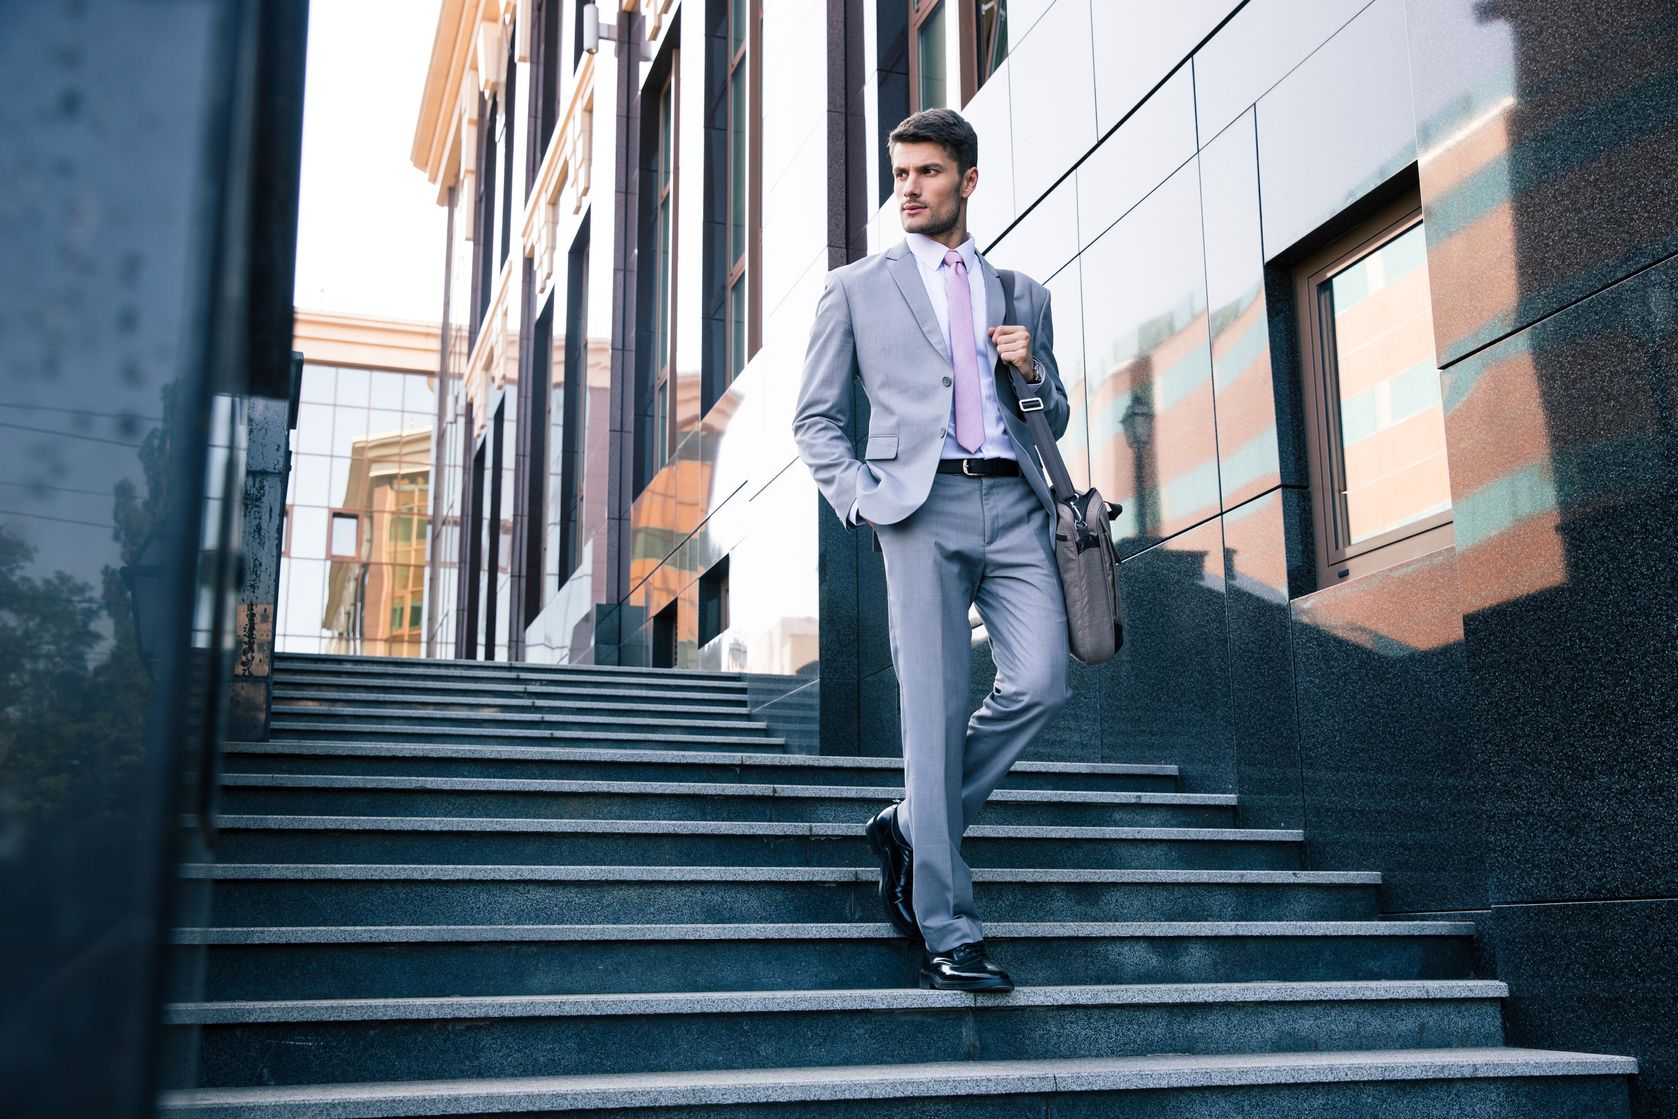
[930,194]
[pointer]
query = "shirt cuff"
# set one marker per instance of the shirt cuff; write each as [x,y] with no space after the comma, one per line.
[851,516]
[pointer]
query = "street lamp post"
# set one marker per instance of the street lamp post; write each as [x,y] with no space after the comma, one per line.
[1138,424]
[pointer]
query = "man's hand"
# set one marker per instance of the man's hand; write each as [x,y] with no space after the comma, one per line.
[1013,345]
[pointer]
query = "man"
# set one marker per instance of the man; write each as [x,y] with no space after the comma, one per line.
[961,512]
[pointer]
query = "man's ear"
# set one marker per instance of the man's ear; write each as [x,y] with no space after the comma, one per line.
[970,182]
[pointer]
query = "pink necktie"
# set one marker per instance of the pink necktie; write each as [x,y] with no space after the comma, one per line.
[970,424]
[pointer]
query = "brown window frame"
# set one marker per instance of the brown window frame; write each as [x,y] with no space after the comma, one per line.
[747,267]
[1336,560]
[333,514]
[973,74]
[916,22]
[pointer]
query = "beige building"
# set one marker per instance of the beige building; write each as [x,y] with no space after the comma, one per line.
[354,574]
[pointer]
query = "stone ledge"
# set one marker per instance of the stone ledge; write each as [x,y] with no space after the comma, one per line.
[885,1082]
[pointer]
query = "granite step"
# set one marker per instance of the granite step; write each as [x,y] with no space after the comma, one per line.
[419,961]
[271,794]
[294,894]
[537,842]
[1485,1082]
[548,704]
[329,1040]
[562,763]
[510,688]
[294,665]
[675,722]
[284,729]
[480,722]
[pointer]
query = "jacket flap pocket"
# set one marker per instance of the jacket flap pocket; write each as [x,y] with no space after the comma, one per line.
[881,446]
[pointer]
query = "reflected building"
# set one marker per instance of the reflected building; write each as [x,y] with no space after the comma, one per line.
[1365,313]
[354,571]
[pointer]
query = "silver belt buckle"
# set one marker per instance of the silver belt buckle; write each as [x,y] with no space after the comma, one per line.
[966,471]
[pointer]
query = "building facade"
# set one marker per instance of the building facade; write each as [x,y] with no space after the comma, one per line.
[1365,309]
[354,568]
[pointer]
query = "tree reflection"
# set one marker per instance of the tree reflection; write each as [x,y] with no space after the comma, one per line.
[73,691]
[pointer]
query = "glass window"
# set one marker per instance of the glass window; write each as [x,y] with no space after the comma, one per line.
[352,387]
[310,475]
[742,161]
[1379,475]
[382,423]
[314,429]
[345,530]
[420,395]
[385,389]
[990,38]
[660,363]
[308,532]
[318,384]
[927,86]
[349,426]
[338,489]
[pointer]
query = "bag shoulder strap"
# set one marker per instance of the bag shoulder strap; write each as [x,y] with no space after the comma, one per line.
[1011,383]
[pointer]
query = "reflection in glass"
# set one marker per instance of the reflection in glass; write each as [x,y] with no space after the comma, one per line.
[990,21]
[1148,367]
[354,567]
[1392,426]
[927,22]
[376,580]
[345,528]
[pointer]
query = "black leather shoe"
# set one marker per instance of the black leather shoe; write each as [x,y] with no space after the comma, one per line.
[897,862]
[965,967]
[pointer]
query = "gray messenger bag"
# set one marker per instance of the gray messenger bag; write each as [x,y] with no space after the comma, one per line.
[1084,552]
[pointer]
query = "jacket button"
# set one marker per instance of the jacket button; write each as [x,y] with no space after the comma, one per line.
[942,432]
[946,382]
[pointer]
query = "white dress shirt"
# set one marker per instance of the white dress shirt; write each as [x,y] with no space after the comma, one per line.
[929,255]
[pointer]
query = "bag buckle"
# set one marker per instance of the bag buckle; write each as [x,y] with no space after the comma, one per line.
[1031,404]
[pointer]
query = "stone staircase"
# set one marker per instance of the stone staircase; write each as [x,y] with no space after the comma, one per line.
[468,889]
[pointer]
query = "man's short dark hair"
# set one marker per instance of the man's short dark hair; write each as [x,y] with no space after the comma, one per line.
[944,127]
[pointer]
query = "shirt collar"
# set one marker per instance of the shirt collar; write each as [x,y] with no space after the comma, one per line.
[931,253]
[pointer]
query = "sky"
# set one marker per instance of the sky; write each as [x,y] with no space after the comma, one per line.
[370,232]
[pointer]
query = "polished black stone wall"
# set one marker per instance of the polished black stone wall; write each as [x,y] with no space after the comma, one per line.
[1492,725]
[150,157]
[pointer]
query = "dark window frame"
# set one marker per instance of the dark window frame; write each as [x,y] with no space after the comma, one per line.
[507,96]
[978,51]
[656,268]
[917,20]
[483,215]
[665,633]
[544,85]
[1336,558]
[333,514]
[531,467]
[713,603]
[574,402]
[745,266]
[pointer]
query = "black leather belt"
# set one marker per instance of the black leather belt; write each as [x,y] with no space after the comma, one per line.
[979,467]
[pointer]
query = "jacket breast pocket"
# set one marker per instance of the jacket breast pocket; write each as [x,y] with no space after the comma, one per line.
[881,446]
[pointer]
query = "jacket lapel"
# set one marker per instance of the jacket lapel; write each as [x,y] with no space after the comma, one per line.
[995,303]
[906,272]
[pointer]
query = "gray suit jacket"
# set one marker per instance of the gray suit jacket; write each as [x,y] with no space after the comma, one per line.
[874,321]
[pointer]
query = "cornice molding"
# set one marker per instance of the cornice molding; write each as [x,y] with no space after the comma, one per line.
[437,135]
[365,341]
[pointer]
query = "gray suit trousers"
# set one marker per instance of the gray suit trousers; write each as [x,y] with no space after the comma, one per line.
[982,542]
